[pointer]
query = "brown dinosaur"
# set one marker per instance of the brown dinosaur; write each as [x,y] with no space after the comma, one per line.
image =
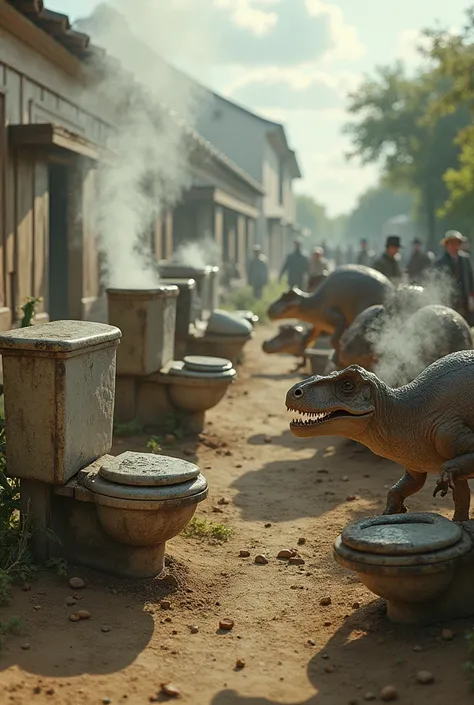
[334,305]
[427,425]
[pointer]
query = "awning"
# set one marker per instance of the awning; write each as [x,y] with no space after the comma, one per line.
[54,138]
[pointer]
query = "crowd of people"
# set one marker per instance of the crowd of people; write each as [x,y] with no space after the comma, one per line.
[306,272]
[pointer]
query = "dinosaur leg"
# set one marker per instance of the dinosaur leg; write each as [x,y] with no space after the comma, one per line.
[311,336]
[462,500]
[337,321]
[409,484]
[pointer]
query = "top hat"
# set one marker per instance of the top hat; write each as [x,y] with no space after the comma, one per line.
[393,241]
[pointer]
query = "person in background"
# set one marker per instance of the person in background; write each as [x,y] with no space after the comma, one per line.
[364,257]
[457,264]
[257,272]
[318,265]
[296,267]
[418,263]
[389,262]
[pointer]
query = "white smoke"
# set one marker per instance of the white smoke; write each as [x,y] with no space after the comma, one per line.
[400,344]
[153,107]
[198,253]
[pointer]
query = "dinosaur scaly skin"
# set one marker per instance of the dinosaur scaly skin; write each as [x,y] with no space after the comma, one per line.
[336,302]
[427,425]
[290,340]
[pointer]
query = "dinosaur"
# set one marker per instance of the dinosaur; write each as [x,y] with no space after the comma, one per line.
[291,340]
[334,305]
[427,425]
[397,349]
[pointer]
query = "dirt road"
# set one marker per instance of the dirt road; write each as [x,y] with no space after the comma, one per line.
[280,490]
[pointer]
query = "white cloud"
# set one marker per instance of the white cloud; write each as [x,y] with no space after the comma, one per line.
[407,45]
[245,15]
[346,44]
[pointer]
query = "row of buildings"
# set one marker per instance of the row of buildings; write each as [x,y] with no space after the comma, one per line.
[53,136]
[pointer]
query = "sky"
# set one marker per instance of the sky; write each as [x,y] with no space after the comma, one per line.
[293,61]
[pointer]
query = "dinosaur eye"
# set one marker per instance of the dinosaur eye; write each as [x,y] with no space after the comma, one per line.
[347,385]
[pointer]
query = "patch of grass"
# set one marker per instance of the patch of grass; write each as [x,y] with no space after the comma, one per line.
[202,528]
[12,626]
[155,444]
[242,299]
[59,565]
[469,665]
[132,428]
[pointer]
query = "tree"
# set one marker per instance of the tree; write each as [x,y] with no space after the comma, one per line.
[312,215]
[374,208]
[453,58]
[392,129]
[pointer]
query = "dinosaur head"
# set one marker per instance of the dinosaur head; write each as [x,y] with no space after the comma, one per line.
[289,339]
[341,404]
[287,306]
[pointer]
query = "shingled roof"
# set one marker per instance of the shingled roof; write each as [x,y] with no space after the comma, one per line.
[56,25]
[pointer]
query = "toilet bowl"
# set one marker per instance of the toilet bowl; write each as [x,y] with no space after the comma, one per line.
[192,385]
[422,564]
[143,499]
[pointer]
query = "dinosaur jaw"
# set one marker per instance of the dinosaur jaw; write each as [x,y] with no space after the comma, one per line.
[326,423]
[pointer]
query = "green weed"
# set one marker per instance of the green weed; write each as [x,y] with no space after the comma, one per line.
[132,428]
[202,528]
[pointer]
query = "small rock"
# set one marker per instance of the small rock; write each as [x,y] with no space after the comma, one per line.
[224,501]
[329,669]
[285,554]
[240,663]
[26,587]
[26,647]
[311,642]
[345,478]
[50,691]
[74,617]
[296,560]
[355,605]
[261,559]
[325,601]
[170,690]
[267,439]
[77,583]
[165,604]
[351,498]
[170,438]
[425,677]
[417,648]
[447,635]
[37,608]
[217,510]
[226,624]
[83,614]
[301,541]
[388,693]
[328,624]
[193,629]
[70,601]
[106,701]
[105,629]
[244,554]
[267,525]
[369,696]
[37,690]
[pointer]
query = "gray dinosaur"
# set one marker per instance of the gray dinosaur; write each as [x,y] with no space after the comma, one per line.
[427,425]
[336,302]
[399,350]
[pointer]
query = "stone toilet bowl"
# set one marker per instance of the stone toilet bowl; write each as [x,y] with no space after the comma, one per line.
[151,384]
[422,564]
[109,513]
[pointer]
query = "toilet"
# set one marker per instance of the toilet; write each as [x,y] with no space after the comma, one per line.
[112,514]
[421,563]
[152,385]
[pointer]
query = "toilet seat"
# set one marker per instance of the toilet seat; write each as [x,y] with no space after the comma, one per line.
[204,363]
[420,538]
[145,477]
[201,368]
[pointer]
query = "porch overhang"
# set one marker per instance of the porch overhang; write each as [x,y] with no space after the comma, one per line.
[222,198]
[54,139]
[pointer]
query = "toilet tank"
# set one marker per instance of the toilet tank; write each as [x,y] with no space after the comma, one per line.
[201,276]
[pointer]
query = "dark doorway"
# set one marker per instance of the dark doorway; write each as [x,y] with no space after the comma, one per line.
[58,242]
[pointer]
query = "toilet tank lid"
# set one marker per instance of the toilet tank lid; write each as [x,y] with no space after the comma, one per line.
[147,470]
[402,534]
[204,363]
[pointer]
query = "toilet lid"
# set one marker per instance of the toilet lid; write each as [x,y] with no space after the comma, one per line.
[95,483]
[402,534]
[202,363]
[147,470]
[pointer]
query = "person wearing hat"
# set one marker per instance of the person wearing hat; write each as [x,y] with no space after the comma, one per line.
[318,268]
[257,272]
[296,267]
[458,265]
[418,263]
[364,256]
[389,262]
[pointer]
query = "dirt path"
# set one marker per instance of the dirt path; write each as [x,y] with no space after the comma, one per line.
[281,489]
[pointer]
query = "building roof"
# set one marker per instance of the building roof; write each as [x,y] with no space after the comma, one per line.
[58,27]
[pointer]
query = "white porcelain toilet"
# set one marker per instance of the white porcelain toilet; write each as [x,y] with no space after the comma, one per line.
[144,499]
[422,564]
[198,383]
